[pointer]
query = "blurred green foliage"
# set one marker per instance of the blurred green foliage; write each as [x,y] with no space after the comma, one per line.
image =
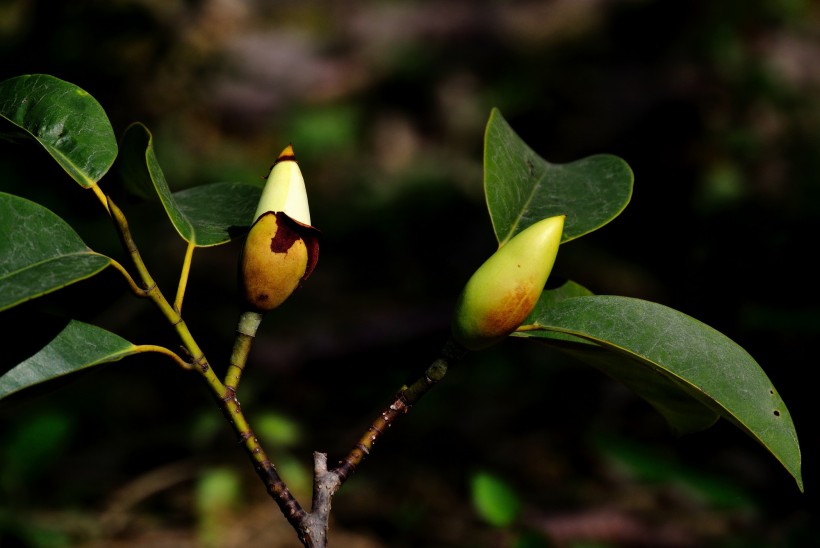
[494,500]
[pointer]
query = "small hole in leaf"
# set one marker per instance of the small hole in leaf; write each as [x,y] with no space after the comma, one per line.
[771,391]
[776,413]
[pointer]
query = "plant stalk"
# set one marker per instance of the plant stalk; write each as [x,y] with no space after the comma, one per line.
[245,332]
[225,396]
[327,482]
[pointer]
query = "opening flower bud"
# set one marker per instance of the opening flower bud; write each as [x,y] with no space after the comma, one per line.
[281,248]
[285,189]
[504,290]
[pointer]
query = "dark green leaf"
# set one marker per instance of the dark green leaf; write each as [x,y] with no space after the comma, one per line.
[218,212]
[656,347]
[39,252]
[566,289]
[206,215]
[553,294]
[684,413]
[76,347]
[522,188]
[69,123]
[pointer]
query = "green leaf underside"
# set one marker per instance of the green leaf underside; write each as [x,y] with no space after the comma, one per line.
[206,215]
[219,212]
[39,252]
[684,413]
[522,188]
[78,346]
[68,122]
[655,349]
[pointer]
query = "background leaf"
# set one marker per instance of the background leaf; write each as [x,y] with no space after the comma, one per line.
[78,346]
[205,215]
[653,465]
[523,188]
[659,347]
[31,446]
[69,123]
[494,500]
[39,252]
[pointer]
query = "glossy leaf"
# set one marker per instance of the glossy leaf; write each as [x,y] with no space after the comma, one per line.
[39,252]
[78,346]
[677,361]
[555,292]
[206,215]
[68,122]
[522,188]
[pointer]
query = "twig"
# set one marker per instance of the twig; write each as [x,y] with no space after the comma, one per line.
[327,482]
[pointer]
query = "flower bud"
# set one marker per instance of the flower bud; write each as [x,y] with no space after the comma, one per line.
[285,189]
[281,248]
[504,290]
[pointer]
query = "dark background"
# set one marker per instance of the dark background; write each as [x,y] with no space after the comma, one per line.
[714,105]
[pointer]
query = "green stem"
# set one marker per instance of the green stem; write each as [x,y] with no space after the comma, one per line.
[183,277]
[225,396]
[162,350]
[137,290]
[152,291]
[245,332]
[100,195]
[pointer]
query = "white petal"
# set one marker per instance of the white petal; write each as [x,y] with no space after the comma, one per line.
[285,190]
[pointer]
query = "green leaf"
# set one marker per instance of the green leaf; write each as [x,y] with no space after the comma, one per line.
[206,215]
[554,293]
[69,123]
[39,252]
[78,346]
[522,188]
[557,292]
[685,413]
[494,500]
[675,361]
[218,212]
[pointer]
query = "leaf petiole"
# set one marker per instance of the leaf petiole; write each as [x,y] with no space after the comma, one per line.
[162,350]
[183,277]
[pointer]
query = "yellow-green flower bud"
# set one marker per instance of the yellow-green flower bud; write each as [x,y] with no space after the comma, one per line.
[281,248]
[504,290]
